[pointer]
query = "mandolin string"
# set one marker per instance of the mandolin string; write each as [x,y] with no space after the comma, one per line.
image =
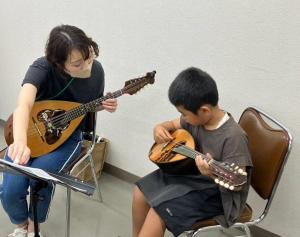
[101,99]
[56,120]
[77,110]
[213,163]
[62,116]
[216,165]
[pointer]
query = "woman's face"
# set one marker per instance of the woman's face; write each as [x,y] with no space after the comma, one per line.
[77,67]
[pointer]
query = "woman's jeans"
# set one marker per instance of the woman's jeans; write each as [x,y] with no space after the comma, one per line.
[14,189]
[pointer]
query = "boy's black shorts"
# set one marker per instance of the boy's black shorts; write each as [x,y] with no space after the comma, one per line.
[181,213]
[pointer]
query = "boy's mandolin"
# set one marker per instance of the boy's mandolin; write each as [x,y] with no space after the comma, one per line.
[52,122]
[174,157]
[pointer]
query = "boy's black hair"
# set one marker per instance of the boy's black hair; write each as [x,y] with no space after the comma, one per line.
[63,39]
[193,88]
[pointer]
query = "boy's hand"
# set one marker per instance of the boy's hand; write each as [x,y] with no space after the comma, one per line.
[202,165]
[161,134]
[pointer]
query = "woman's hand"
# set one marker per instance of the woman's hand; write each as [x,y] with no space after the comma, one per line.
[110,105]
[19,153]
[203,166]
[161,134]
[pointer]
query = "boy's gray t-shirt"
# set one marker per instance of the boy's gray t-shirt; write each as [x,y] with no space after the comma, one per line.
[229,143]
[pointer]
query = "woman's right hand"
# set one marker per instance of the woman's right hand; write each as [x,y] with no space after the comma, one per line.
[19,153]
[161,134]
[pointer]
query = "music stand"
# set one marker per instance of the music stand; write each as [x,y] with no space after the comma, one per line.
[44,178]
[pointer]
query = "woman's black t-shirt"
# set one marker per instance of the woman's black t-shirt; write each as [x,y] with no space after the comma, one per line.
[50,82]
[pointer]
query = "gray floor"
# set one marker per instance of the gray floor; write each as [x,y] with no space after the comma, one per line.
[112,218]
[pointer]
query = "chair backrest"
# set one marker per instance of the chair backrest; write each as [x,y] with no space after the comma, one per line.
[269,147]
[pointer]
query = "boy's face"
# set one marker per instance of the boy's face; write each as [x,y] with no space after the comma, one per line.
[201,118]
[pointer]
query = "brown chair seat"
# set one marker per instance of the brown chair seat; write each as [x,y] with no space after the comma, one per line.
[245,217]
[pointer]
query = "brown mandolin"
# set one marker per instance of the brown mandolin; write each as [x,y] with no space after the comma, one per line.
[52,122]
[174,157]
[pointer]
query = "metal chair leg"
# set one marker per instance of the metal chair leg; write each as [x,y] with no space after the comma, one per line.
[68,212]
[240,227]
[95,179]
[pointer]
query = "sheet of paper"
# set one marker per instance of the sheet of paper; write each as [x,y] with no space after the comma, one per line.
[38,172]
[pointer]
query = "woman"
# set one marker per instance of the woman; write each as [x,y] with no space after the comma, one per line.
[67,72]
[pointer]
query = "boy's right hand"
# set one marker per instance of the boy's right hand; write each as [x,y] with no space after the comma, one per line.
[161,134]
[19,153]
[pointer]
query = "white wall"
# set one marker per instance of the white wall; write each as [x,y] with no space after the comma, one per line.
[251,48]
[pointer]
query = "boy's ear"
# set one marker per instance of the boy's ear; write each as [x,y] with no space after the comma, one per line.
[204,109]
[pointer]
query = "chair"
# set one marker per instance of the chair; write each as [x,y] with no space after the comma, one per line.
[86,158]
[270,146]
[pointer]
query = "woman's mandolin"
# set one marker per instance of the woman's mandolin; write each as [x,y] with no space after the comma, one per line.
[174,157]
[52,122]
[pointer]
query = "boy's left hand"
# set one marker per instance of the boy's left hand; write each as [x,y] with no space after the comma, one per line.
[202,165]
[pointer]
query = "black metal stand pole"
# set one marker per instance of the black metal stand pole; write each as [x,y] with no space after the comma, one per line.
[34,199]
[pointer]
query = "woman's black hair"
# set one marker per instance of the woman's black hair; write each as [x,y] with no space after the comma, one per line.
[193,88]
[63,39]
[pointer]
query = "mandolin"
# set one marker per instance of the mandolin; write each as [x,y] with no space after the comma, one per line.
[52,122]
[177,157]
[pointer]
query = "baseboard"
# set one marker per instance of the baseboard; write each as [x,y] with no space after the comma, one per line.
[120,173]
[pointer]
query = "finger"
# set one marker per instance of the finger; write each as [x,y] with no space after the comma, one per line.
[109,101]
[15,152]
[110,109]
[198,161]
[114,105]
[166,137]
[209,156]
[10,150]
[167,134]
[162,138]
[26,156]
[18,157]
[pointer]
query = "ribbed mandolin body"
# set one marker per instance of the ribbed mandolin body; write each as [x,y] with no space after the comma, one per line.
[49,126]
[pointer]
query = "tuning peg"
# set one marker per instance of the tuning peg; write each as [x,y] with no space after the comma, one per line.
[217,181]
[244,173]
[231,187]
[222,183]
[226,185]
[241,171]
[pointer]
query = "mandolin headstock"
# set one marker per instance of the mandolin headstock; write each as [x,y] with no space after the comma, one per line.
[134,85]
[228,175]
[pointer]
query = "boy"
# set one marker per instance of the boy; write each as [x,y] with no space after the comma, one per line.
[176,202]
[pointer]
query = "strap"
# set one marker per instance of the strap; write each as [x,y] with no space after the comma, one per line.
[59,93]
